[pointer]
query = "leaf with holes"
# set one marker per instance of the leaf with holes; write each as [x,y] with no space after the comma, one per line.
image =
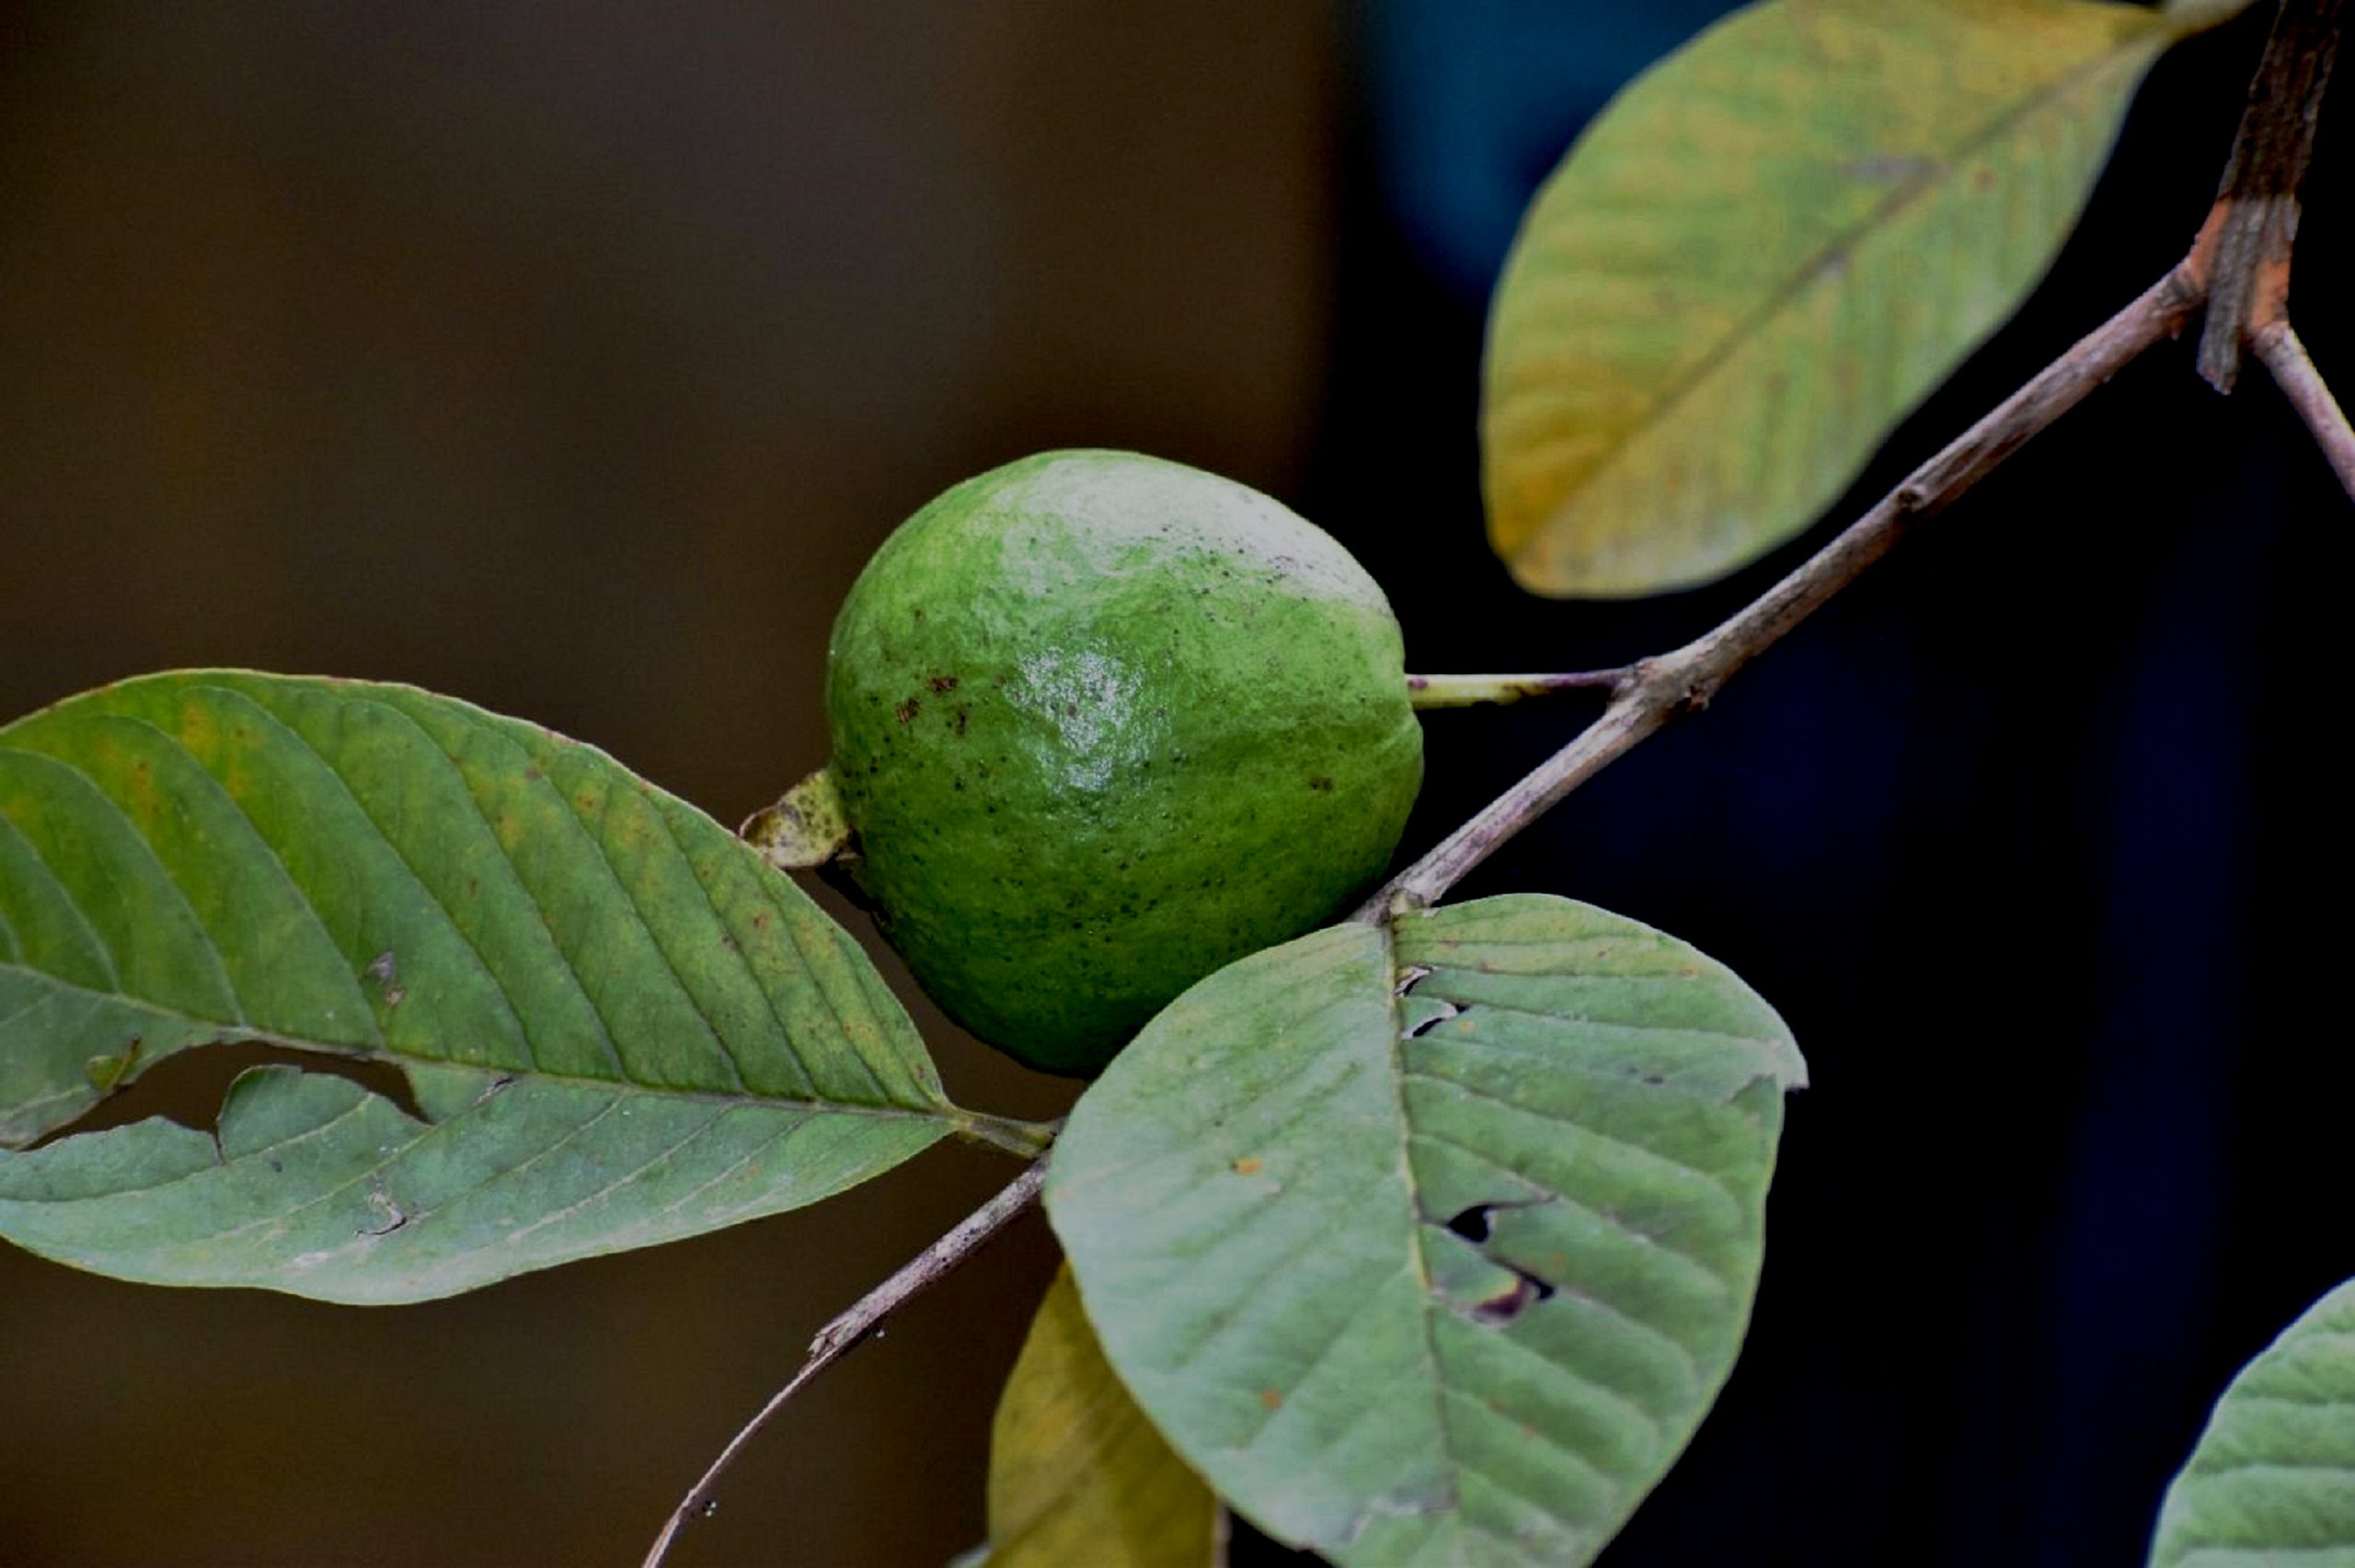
[620,1026]
[2272,1481]
[1766,252]
[1434,1245]
[1077,1474]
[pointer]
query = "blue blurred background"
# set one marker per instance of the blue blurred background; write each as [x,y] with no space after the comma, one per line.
[571,360]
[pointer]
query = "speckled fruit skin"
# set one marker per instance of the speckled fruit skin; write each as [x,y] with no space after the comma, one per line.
[1103,724]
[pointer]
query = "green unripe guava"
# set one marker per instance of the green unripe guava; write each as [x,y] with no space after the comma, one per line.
[1103,724]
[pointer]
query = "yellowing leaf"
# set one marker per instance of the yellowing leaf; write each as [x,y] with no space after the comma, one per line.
[1766,252]
[1077,1474]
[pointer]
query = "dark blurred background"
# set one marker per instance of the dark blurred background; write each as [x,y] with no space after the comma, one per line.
[572,358]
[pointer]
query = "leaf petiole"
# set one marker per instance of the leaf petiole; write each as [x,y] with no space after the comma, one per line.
[1024,1141]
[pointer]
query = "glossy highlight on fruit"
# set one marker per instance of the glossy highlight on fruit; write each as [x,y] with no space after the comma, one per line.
[1103,724]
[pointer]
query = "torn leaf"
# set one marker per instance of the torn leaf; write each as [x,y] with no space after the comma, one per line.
[1525,1146]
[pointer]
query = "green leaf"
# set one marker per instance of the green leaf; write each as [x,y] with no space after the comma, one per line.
[620,1026]
[1433,1245]
[2271,1483]
[1766,252]
[1077,1474]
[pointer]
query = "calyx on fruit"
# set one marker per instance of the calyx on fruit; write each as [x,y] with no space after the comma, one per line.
[1103,724]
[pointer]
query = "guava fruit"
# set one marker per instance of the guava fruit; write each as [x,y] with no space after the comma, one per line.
[1101,725]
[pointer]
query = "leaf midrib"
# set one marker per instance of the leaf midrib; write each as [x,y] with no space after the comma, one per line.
[1454,1512]
[1419,1259]
[239,1031]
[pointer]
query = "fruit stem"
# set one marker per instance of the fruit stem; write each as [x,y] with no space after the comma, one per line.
[808,828]
[1468,690]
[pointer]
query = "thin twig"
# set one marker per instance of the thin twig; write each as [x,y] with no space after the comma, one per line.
[919,1274]
[1465,691]
[1684,681]
[2249,230]
[2285,356]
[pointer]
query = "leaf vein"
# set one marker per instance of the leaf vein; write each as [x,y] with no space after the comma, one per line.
[81,917]
[1598,1216]
[596,839]
[400,855]
[210,950]
[842,1024]
[1366,1300]
[1643,1152]
[556,943]
[739,1164]
[636,1172]
[1418,1259]
[302,895]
